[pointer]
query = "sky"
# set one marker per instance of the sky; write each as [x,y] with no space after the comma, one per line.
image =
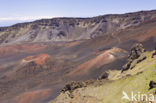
[15,11]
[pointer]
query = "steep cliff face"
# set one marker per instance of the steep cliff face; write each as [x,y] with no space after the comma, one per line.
[69,29]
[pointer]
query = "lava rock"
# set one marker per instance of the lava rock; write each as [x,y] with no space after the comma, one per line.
[103,76]
[143,57]
[152,84]
[136,51]
[72,86]
[154,53]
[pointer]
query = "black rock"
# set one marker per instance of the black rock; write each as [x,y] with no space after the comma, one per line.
[154,53]
[103,76]
[152,84]
[73,85]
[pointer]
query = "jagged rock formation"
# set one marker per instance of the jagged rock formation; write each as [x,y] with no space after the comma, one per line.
[72,86]
[137,50]
[70,29]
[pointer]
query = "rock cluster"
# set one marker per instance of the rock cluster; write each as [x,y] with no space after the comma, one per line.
[136,56]
[73,85]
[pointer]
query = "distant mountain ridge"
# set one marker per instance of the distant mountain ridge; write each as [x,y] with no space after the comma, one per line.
[70,29]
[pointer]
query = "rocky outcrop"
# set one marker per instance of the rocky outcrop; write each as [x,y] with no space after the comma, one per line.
[104,75]
[73,85]
[136,56]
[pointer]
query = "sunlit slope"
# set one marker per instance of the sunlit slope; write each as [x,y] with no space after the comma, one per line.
[110,91]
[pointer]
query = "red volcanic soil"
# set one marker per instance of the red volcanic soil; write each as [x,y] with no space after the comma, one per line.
[18,48]
[144,31]
[151,33]
[73,43]
[105,57]
[34,96]
[38,59]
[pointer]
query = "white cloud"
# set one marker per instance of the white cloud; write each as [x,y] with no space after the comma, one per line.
[27,18]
